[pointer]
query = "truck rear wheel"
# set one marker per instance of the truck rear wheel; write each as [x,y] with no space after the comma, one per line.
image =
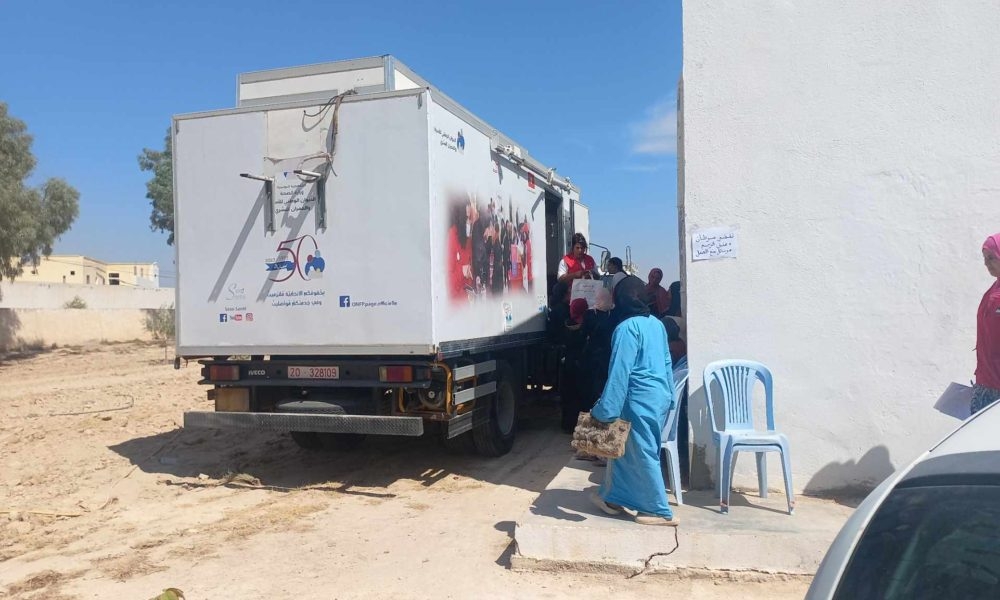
[494,435]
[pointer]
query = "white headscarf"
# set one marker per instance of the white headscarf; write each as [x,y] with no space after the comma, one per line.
[603,302]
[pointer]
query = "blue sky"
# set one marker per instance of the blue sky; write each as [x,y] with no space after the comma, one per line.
[587,87]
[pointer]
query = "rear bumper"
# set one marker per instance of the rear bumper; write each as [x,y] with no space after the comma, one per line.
[366,424]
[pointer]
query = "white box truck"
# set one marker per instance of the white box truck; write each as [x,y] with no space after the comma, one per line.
[358,254]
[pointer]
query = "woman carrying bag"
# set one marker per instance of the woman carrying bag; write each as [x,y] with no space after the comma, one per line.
[639,390]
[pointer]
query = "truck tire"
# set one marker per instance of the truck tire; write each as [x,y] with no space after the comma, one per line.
[497,420]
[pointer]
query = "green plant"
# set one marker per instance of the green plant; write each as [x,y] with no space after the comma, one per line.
[160,322]
[31,217]
[76,302]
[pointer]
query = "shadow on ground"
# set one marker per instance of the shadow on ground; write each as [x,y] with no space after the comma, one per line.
[849,482]
[540,451]
[710,502]
[508,527]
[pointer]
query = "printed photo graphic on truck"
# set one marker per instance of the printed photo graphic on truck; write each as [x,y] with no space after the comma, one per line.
[488,249]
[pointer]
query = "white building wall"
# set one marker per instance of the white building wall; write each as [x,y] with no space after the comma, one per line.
[856,146]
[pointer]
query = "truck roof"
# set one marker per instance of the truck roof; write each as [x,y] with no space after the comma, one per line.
[369,77]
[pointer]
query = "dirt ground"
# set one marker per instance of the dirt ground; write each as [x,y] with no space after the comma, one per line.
[104,495]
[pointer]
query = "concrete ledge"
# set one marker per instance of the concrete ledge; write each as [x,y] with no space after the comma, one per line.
[563,531]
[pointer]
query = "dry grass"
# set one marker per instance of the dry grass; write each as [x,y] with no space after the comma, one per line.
[123,567]
[47,541]
[43,585]
[269,518]
[151,543]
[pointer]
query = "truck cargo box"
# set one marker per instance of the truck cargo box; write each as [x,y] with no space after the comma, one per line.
[386,222]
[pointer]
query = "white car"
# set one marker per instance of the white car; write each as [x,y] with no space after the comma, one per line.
[931,530]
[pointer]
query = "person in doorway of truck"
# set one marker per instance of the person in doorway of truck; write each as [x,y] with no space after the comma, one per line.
[639,390]
[577,312]
[678,348]
[675,300]
[986,390]
[659,297]
[594,356]
[598,326]
[563,334]
[616,272]
[577,264]
[558,311]
[615,265]
[574,338]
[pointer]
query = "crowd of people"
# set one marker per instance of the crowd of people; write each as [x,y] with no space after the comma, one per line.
[489,250]
[618,357]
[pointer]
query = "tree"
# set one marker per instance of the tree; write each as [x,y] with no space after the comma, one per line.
[31,219]
[160,189]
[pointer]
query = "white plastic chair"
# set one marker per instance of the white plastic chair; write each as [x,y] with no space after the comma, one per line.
[668,443]
[737,378]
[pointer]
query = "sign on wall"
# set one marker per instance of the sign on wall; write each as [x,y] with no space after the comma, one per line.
[714,243]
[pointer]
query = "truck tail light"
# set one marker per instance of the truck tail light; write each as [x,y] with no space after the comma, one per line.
[224,372]
[395,374]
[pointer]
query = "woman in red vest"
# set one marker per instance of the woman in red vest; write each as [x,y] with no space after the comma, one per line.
[987,388]
[577,264]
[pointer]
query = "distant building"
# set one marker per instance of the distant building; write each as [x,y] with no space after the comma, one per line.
[83,270]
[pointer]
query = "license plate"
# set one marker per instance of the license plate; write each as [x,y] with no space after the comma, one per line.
[314,372]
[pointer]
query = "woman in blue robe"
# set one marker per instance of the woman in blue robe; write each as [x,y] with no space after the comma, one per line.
[639,390]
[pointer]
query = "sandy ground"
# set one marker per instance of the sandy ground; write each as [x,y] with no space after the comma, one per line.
[103,495]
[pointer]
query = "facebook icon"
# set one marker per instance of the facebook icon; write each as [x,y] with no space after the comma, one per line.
[345,302]
[223,317]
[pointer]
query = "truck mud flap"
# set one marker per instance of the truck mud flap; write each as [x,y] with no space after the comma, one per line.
[364,424]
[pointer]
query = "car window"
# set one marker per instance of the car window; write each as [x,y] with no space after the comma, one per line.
[929,542]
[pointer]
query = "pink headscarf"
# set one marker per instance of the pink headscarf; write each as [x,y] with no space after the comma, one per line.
[577,310]
[992,245]
[656,274]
